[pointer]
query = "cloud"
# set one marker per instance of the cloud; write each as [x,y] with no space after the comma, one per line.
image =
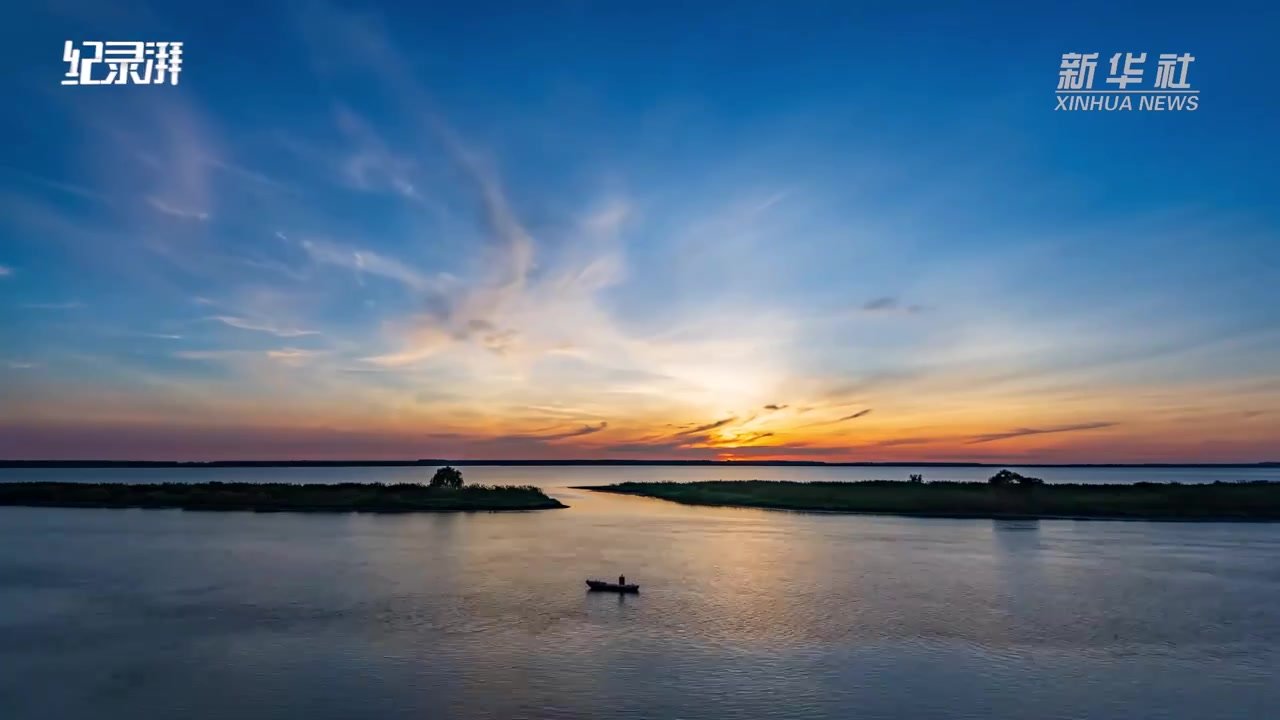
[247,174]
[697,436]
[895,442]
[367,262]
[1021,432]
[5,271]
[16,365]
[774,408]
[686,438]
[705,428]
[743,439]
[293,356]
[500,341]
[504,310]
[534,442]
[244,324]
[72,189]
[649,447]
[853,416]
[167,209]
[209,354]
[529,303]
[373,166]
[890,305]
[579,432]
[400,359]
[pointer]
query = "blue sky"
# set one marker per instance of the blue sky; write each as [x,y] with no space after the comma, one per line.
[639,230]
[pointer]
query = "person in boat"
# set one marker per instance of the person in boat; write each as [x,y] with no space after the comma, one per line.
[622,579]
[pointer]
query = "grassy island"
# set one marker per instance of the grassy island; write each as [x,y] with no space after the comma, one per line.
[268,497]
[1000,498]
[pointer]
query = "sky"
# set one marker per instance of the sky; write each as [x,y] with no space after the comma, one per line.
[813,231]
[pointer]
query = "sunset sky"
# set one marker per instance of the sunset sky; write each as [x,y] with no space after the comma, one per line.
[697,230]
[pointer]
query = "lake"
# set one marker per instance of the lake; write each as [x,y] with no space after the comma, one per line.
[742,614]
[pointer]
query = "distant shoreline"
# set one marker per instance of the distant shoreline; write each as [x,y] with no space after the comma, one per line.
[277,497]
[1257,501]
[602,462]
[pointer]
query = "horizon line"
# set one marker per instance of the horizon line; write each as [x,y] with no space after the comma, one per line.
[434,462]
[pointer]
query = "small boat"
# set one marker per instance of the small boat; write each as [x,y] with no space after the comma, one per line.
[602,586]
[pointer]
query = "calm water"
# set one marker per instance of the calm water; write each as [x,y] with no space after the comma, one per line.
[744,613]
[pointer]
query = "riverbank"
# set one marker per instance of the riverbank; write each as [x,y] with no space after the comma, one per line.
[278,497]
[1255,501]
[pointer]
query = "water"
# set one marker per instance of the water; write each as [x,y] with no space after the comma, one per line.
[743,613]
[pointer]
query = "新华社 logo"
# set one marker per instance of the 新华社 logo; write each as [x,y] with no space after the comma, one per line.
[1126,85]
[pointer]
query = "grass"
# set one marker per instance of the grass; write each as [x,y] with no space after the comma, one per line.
[1156,501]
[267,497]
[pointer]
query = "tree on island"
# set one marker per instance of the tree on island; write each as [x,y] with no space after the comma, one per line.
[447,477]
[1006,478]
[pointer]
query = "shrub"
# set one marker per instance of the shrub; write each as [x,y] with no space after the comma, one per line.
[447,477]
[1005,478]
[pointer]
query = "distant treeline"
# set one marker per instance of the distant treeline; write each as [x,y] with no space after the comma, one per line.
[1258,500]
[265,497]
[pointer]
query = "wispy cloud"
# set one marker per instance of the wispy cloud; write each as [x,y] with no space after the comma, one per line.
[5,271]
[577,432]
[246,324]
[689,437]
[700,429]
[163,207]
[368,262]
[503,310]
[293,356]
[373,165]
[247,174]
[846,418]
[741,439]
[1022,432]
[910,440]
[209,354]
[891,305]
[854,416]
[67,188]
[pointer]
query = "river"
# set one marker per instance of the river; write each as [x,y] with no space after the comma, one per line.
[743,613]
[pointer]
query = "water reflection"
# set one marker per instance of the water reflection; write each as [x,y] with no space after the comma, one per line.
[742,613]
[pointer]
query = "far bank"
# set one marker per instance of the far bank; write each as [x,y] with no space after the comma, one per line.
[1250,501]
[279,497]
